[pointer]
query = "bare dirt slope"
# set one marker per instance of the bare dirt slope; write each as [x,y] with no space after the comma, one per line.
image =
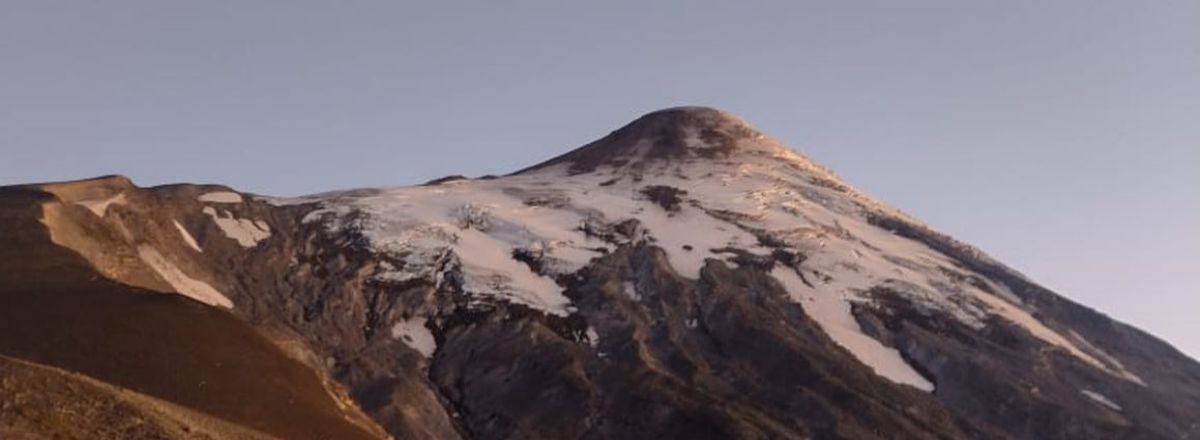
[39,402]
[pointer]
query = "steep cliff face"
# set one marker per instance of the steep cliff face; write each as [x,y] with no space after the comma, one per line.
[684,277]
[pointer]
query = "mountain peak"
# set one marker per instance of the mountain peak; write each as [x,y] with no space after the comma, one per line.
[690,116]
[672,135]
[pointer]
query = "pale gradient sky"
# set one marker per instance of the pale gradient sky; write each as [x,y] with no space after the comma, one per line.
[1063,137]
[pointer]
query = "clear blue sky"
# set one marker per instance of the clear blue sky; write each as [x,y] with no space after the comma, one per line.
[1061,136]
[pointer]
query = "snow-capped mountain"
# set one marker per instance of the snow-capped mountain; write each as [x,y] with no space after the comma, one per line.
[685,276]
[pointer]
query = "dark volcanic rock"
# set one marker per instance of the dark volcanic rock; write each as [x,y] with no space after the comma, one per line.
[661,135]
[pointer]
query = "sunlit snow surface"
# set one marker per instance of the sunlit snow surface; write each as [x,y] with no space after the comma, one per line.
[221,197]
[187,237]
[100,206]
[244,231]
[1101,399]
[763,191]
[832,312]
[181,282]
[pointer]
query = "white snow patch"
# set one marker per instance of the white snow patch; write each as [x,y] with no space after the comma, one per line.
[183,284]
[689,236]
[246,232]
[1024,319]
[1101,399]
[495,272]
[630,290]
[100,206]
[221,197]
[831,310]
[593,338]
[1107,358]
[187,237]
[414,334]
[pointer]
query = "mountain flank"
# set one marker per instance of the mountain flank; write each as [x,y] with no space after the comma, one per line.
[685,276]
